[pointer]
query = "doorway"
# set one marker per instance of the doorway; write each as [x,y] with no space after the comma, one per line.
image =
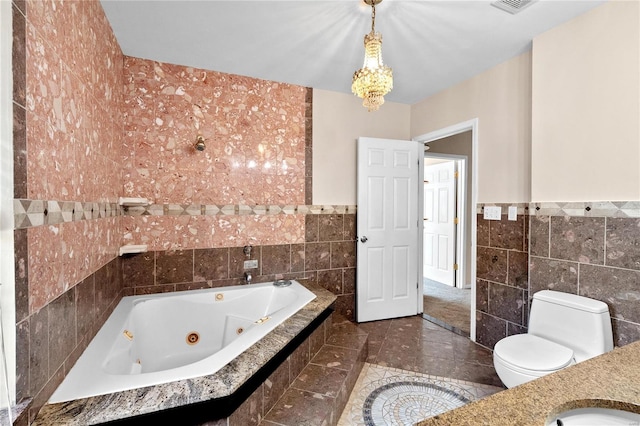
[446,303]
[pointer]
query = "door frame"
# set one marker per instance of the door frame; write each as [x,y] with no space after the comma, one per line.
[465,126]
[461,208]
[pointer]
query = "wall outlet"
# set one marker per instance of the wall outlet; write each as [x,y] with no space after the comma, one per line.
[251,264]
[513,213]
[492,212]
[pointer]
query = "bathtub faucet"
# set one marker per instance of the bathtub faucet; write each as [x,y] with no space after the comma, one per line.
[248,277]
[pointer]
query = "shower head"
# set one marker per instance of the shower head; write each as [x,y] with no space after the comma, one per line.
[199,145]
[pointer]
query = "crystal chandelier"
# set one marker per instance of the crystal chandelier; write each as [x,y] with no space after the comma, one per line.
[374,79]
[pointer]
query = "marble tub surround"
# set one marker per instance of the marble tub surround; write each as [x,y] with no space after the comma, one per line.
[254,132]
[67,99]
[326,257]
[320,392]
[126,404]
[613,379]
[593,256]
[502,290]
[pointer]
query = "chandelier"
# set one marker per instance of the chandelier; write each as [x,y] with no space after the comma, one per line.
[374,79]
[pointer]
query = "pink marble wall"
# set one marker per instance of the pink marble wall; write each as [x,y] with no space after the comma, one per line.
[254,132]
[74,130]
[195,232]
[73,102]
[62,255]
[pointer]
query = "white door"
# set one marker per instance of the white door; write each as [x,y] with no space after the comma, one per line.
[439,226]
[388,187]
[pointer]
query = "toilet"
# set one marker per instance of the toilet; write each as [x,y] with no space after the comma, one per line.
[564,329]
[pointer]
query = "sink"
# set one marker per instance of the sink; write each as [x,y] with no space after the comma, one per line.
[595,416]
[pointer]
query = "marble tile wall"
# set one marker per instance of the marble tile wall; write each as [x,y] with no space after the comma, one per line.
[257,161]
[254,130]
[67,97]
[325,255]
[577,249]
[258,153]
[502,290]
[585,248]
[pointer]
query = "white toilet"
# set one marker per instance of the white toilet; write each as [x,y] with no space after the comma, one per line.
[563,329]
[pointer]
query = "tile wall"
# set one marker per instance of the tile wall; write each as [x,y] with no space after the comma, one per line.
[67,97]
[591,249]
[258,154]
[326,257]
[75,155]
[585,248]
[502,291]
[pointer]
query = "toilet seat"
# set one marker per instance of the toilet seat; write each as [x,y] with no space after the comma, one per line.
[532,355]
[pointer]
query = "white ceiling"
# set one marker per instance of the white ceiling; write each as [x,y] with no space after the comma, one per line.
[431,45]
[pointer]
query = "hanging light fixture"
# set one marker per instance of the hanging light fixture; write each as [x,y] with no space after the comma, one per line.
[374,79]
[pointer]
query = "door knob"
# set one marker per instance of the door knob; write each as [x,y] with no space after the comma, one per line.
[364,239]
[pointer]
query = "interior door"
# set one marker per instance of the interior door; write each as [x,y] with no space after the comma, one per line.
[439,222]
[388,187]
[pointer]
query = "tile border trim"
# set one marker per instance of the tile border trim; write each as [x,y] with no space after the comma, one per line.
[618,209]
[32,213]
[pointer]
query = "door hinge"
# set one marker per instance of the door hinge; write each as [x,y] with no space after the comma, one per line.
[455,175]
[455,266]
[456,220]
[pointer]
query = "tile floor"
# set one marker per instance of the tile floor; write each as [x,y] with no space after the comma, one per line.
[412,344]
[448,306]
[390,396]
[415,344]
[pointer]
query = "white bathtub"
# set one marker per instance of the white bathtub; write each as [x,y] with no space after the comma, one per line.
[160,338]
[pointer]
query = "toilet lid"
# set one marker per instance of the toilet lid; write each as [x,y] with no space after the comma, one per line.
[533,353]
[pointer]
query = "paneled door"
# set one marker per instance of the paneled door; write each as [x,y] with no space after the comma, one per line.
[388,184]
[439,222]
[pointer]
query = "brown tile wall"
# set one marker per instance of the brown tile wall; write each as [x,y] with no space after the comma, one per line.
[502,291]
[51,340]
[327,258]
[596,257]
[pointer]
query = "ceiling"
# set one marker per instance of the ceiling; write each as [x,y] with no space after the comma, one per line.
[431,45]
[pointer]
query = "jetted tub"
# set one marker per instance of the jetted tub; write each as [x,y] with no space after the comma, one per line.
[160,338]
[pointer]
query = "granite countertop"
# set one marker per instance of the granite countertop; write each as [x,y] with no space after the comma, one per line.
[611,380]
[120,405]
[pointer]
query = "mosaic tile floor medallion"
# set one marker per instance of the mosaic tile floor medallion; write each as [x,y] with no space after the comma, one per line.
[389,396]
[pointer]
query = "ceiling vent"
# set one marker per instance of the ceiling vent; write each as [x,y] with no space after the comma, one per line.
[512,6]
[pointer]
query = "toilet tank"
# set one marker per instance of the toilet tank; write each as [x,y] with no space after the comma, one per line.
[577,322]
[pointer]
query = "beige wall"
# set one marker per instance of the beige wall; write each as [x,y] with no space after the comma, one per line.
[501,100]
[586,115]
[338,120]
[581,85]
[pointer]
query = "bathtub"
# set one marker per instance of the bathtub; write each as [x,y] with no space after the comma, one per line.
[154,339]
